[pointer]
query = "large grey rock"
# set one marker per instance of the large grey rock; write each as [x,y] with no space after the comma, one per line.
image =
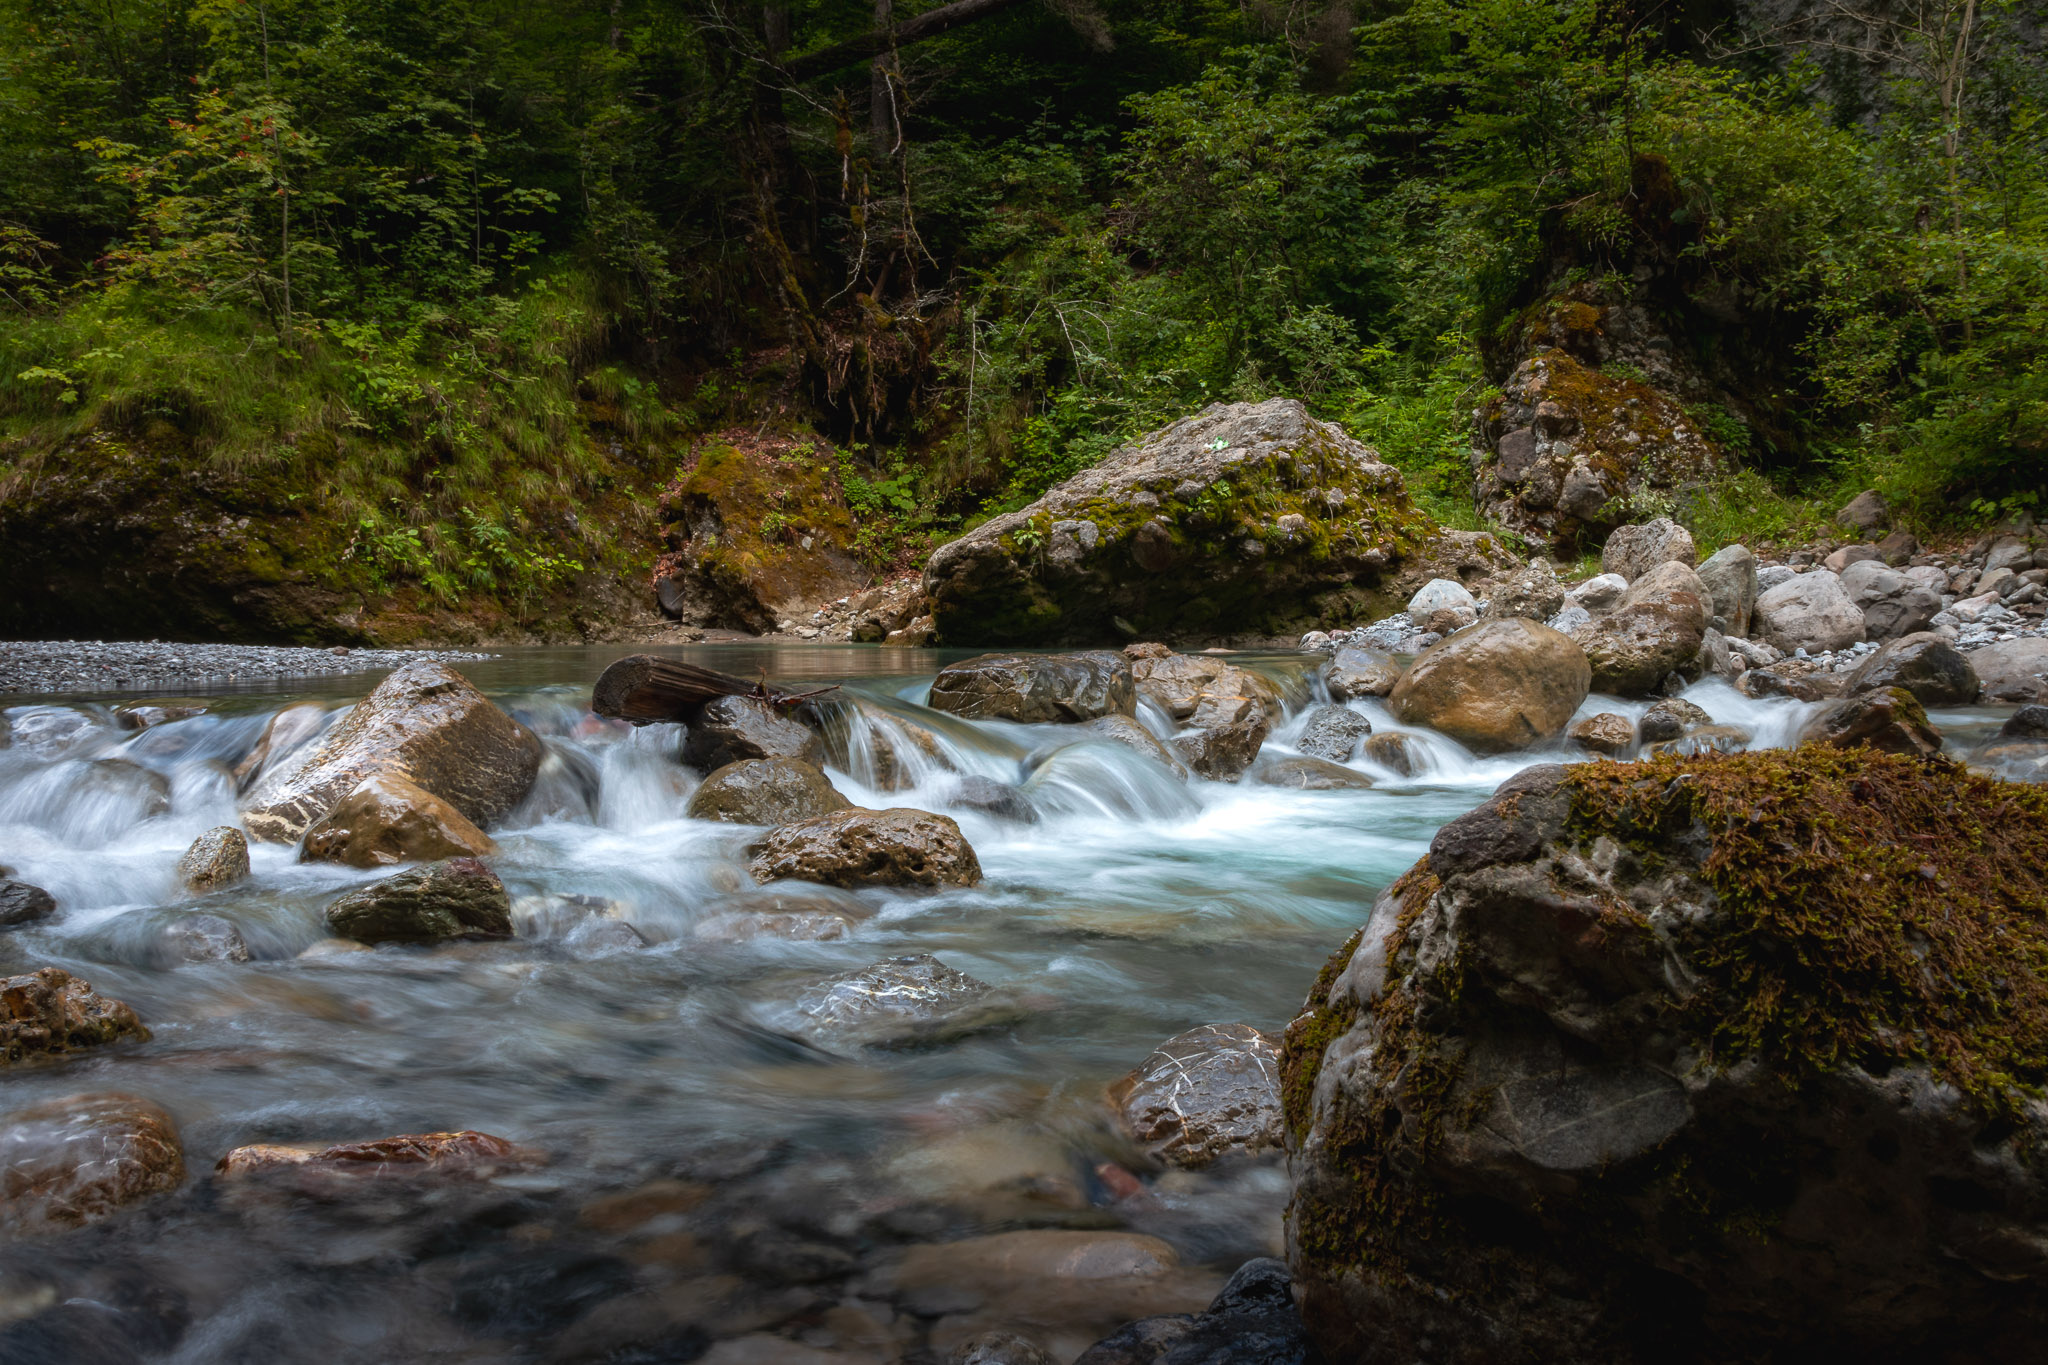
[1657,630]
[1893,604]
[857,847]
[1866,512]
[1633,551]
[1436,595]
[1729,575]
[1222,752]
[1209,1093]
[1036,688]
[765,791]
[1499,686]
[424,722]
[2013,670]
[1924,664]
[457,898]
[728,729]
[1809,611]
[1533,592]
[1334,733]
[1245,518]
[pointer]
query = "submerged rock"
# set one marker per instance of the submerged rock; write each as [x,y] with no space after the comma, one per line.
[1395,751]
[1669,719]
[1036,688]
[458,898]
[1308,774]
[74,1161]
[990,797]
[1129,733]
[1334,733]
[200,938]
[391,819]
[217,858]
[425,722]
[121,779]
[22,904]
[466,1153]
[858,847]
[51,1011]
[1209,1093]
[765,791]
[1499,686]
[900,1002]
[728,729]
[1731,1076]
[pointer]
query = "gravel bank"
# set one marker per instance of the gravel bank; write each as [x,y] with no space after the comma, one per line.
[97,665]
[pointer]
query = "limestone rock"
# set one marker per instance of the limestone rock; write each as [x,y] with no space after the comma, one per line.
[1633,551]
[1607,734]
[22,904]
[1334,733]
[728,729]
[1202,1095]
[1035,688]
[854,848]
[1888,719]
[1924,664]
[217,858]
[1729,576]
[65,1163]
[1809,611]
[426,723]
[51,1011]
[1599,594]
[765,791]
[458,898]
[1500,686]
[389,819]
[1436,595]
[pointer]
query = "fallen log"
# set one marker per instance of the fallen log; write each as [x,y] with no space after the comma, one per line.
[645,689]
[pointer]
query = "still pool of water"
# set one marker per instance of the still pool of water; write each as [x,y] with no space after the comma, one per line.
[712,1187]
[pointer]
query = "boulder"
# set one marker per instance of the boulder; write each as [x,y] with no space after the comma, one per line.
[1669,719]
[200,938]
[284,734]
[1888,719]
[22,904]
[1308,774]
[1245,518]
[1893,605]
[2013,670]
[857,847]
[217,858]
[900,752]
[1252,1322]
[65,1163]
[390,819]
[1729,576]
[425,723]
[145,792]
[1222,752]
[1175,682]
[1129,733]
[1809,611]
[1600,593]
[1533,592]
[458,898]
[1866,512]
[1843,558]
[1035,688]
[1632,651]
[1436,595]
[765,791]
[1648,1062]
[899,1002]
[1783,681]
[51,1011]
[1898,548]
[999,799]
[1633,551]
[1333,732]
[1209,1093]
[2027,723]
[728,729]
[1925,664]
[1355,673]
[1607,734]
[1499,686]
[1394,751]
[2009,552]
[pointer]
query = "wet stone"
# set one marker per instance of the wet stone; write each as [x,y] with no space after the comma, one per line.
[1308,774]
[765,791]
[1252,1322]
[1205,1094]
[2029,722]
[990,797]
[728,729]
[900,1002]
[1607,734]
[390,819]
[50,1011]
[856,848]
[1394,751]
[74,1161]
[200,938]
[459,898]
[22,904]
[217,858]
[1334,733]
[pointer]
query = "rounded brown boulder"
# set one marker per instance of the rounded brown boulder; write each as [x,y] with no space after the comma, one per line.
[859,847]
[391,819]
[1498,686]
[765,791]
[73,1161]
[51,1011]
[458,898]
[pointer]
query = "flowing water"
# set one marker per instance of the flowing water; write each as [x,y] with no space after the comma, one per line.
[784,1179]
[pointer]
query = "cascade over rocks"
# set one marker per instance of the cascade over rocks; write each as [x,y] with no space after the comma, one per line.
[21,904]
[1034,688]
[426,723]
[1222,752]
[765,791]
[1308,774]
[859,847]
[1247,518]
[1501,685]
[1333,733]
[1723,1059]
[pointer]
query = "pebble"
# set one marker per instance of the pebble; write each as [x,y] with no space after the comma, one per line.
[98,666]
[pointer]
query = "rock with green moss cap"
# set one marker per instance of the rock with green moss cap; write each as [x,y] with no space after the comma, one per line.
[1722,1059]
[1890,719]
[1245,519]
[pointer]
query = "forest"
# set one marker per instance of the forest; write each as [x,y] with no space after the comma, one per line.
[460,286]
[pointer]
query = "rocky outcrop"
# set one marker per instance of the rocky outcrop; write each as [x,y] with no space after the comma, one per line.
[765,791]
[1499,686]
[1247,518]
[999,799]
[390,819]
[50,1011]
[69,1162]
[1926,665]
[425,723]
[857,847]
[728,729]
[1809,611]
[1209,1093]
[1036,688]
[1604,1080]
[217,858]
[458,898]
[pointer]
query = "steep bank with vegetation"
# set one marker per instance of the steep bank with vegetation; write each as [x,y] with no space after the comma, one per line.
[335,318]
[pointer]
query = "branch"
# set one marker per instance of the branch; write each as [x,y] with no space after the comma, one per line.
[868,46]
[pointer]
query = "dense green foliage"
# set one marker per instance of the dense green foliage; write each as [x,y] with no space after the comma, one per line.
[471,265]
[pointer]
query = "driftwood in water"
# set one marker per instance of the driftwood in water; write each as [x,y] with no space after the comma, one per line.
[643,689]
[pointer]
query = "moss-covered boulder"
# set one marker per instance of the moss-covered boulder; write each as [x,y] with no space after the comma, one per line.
[1730,1058]
[1247,519]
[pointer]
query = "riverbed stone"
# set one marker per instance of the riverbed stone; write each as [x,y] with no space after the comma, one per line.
[727,729]
[1333,732]
[1394,750]
[2013,670]
[1669,719]
[1004,801]
[1657,630]
[1203,1095]
[2027,723]
[1353,673]
[1221,753]
[68,1162]
[200,938]
[1437,595]
[22,904]
[50,1011]
[1036,688]
[1809,611]
[1500,686]
[1607,734]
[1533,592]
[455,898]
[147,791]
[1926,665]
[390,819]
[1134,736]
[1729,575]
[466,1153]
[1634,550]
[766,791]
[900,1002]
[860,847]
[1253,1321]
[1307,774]
[217,858]
[425,722]
[1888,719]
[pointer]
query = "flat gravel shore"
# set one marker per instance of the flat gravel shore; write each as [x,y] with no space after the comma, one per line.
[151,665]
